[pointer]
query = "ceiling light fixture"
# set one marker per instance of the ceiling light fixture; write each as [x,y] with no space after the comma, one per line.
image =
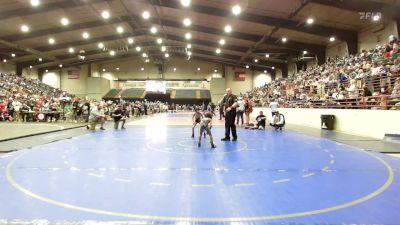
[228,28]
[187,22]
[166,55]
[273,67]
[120,30]
[138,49]
[30,67]
[310,21]
[146,15]
[198,68]
[71,50]
[117,68]
[188,36]
[236,10]
[35,3]
[265,71]
[100,45]
[40,59]
[222,42]
[185,3]
[51,41]
[130,40]
[105,14]
[188,46]
[61,65]
[142,69]
[332,39]
[189,53]
[305,52]
[24,28]
[112,52]
[13,55]
[144,55]
[284,39]
[247,66]
[218,51]
[5,60]
[174,69]
[266,55]
[85,35]
[64,21]
[153,30]
[256,60]
[163,48]
[159,41]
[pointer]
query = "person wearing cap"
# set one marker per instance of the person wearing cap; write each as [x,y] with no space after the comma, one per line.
[230,103]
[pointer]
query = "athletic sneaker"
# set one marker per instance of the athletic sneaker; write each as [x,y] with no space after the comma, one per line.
[102,128]
[199,145]
[204,135]
[213,146]
[225,139]
[87,127]
[192,135]
[234,139]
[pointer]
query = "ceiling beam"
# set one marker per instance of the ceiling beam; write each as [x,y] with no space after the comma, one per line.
[271,21]
[197,54]
[243,36]
[44,8]
[165,22]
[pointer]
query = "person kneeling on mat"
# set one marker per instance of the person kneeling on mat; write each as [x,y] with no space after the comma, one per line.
[119,115]
[205,126]
[278,121]
[96,116]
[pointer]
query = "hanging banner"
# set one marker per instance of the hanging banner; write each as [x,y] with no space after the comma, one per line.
[168,84]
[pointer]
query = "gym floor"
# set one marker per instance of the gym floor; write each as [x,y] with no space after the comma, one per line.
[154,173]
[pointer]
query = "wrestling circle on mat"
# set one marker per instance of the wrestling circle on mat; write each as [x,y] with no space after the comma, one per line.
[161,175]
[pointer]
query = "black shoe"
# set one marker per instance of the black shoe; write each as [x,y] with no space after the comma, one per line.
[192,136]
[87,127]
[204,135]
[280,128]
[123,128]
[213,146]
[225,139]
[234,139]
[199,144]
[102,128]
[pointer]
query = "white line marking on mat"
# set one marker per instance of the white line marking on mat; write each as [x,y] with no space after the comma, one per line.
[159,184]
[281,181]
[245,184]
[95,175]
[123,180]
[308,175]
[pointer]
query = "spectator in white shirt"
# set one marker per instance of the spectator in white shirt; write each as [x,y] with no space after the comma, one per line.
[274,105]
[278,121]
[96,116]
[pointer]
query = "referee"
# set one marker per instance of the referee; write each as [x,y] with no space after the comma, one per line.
[230,103]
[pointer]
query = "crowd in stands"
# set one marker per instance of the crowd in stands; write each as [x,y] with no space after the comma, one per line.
[370,79]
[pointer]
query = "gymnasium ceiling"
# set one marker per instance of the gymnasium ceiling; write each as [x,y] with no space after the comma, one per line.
[258,30]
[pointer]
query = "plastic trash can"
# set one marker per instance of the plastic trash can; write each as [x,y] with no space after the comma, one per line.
[327,122]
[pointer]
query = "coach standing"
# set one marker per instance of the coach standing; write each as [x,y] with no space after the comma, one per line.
[230,102]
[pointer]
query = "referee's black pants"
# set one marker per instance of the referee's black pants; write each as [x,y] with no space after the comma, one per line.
[230,124]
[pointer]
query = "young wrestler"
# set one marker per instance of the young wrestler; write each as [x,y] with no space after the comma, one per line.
[197,116]
[205,126]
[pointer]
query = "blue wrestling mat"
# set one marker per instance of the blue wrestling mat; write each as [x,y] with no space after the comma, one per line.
[160,176]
